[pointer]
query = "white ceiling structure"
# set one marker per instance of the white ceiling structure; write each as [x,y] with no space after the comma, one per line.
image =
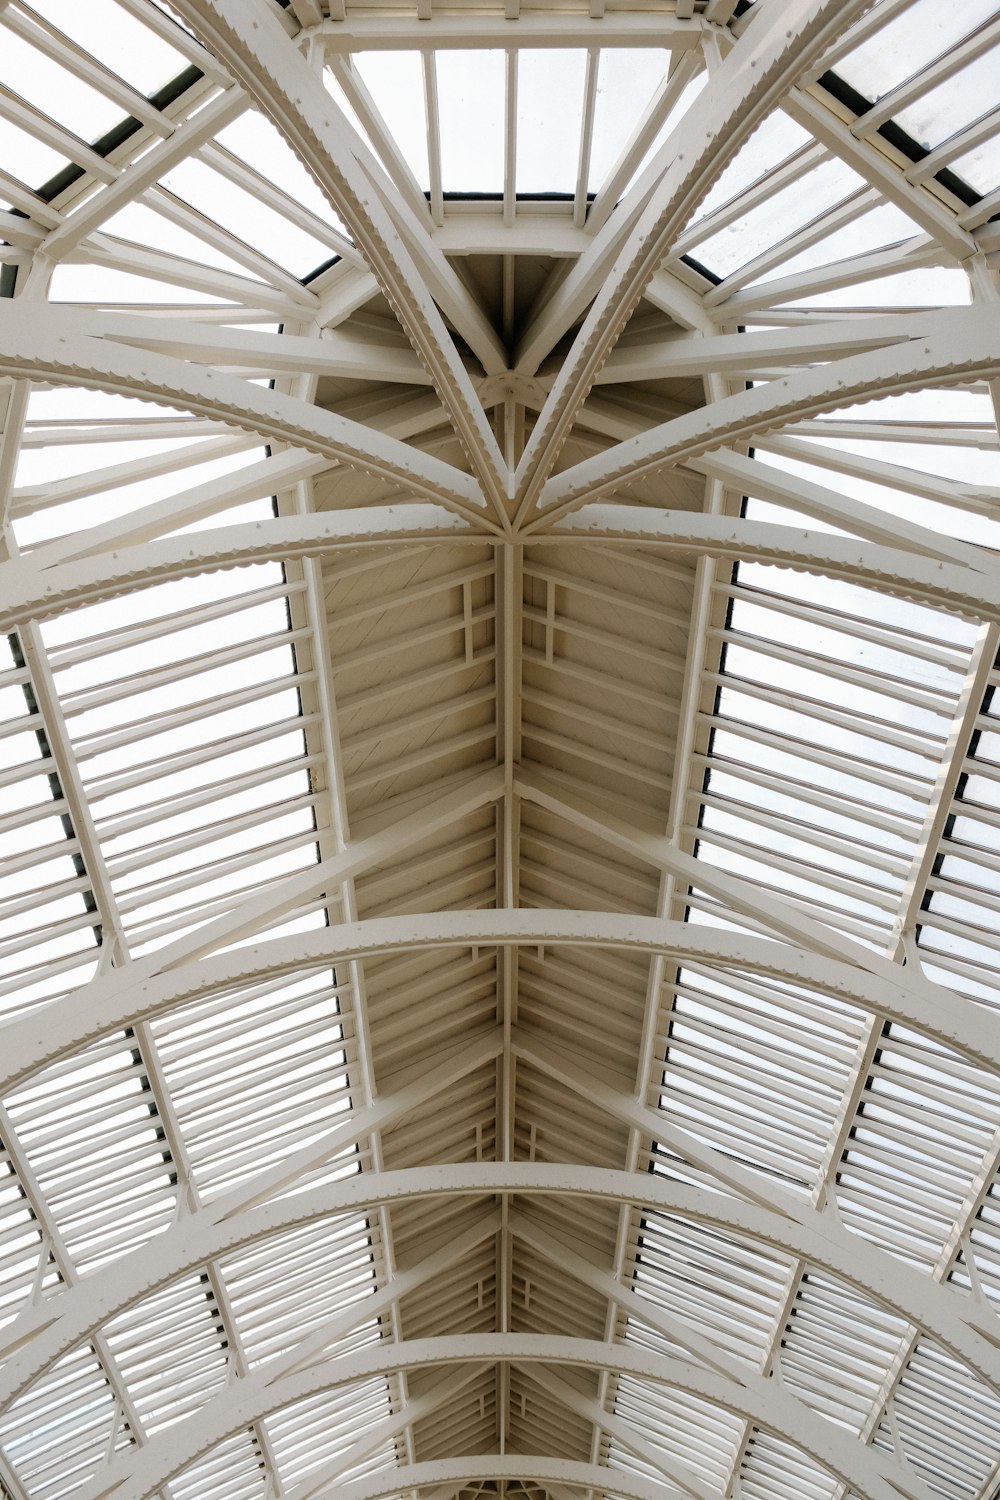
[499,761]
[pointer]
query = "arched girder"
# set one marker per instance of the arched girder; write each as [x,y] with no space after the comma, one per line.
[33,591]
[969,1331]
[964,348]
[868,1472]
[37,344]
[777,49]
[735,538]
[107,1004]
[28,591]
[249,39]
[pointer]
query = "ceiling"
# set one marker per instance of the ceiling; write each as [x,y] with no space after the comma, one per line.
[499,770]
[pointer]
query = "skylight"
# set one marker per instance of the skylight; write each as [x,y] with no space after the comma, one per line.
[468,917]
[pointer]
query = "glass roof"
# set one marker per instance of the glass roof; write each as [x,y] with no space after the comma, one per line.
[499,750]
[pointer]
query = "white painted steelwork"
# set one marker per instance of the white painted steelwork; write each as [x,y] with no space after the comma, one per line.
[499,767]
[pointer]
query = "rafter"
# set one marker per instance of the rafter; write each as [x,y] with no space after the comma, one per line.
[186,137]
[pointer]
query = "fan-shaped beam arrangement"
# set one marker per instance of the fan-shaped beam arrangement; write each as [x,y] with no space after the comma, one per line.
[499,767]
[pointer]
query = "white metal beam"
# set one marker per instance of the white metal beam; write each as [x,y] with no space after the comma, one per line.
[35,593]
[445,30]
[685,355]
[628,1434]
[333,353]
[380,846]
[44,1331]
[870,1474]
[883,167]
[334,836]
[128,185]
[250,40]
[28,592]
[735,537]
[777,47]
[960,351]
[752,476]
[36,345]
[197,502]
[114,1001]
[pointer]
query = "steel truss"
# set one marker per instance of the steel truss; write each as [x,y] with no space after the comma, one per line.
[532,1017]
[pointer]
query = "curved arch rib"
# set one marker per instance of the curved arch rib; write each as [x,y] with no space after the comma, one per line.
[36,343]
[247,37]
[967,1330]
[869,1473]
[107,1004]
[28,590]
[962,349]
[454,1473]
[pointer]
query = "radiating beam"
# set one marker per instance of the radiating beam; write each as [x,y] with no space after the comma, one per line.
[334,354]
[684,356]
[964,349]
[35,344]
[777,47]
